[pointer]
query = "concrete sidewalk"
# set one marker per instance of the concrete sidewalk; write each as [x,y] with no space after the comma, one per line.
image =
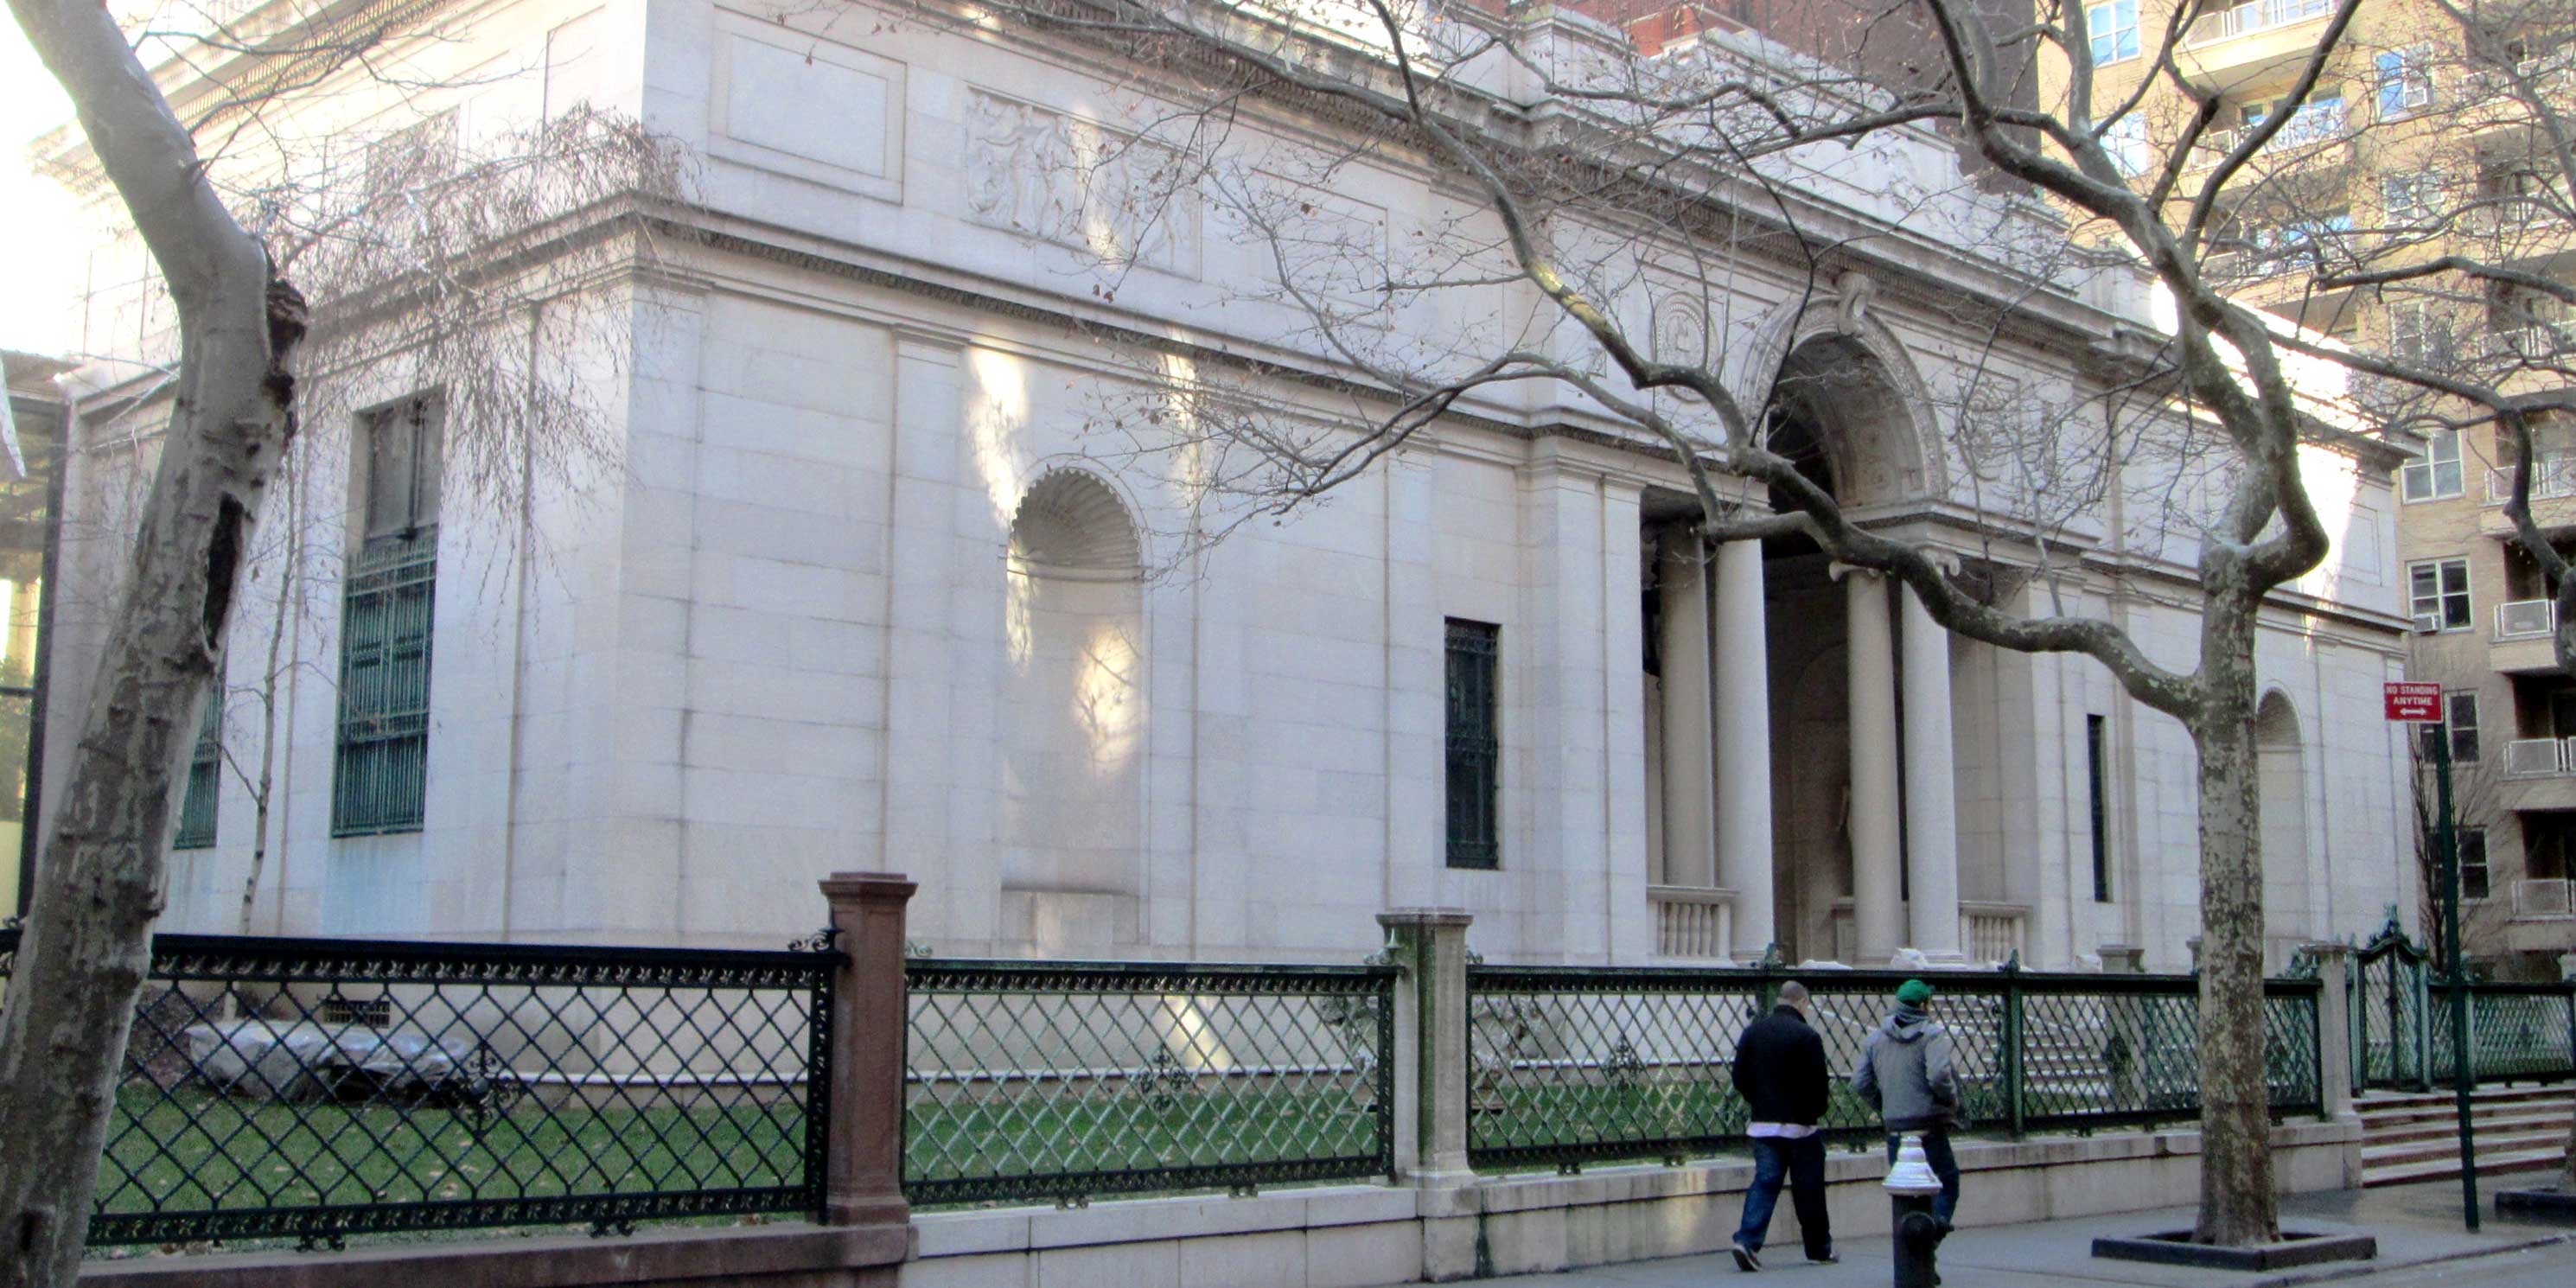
[2417,1225]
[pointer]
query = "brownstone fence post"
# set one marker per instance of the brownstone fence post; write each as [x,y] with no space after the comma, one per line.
[863,1178]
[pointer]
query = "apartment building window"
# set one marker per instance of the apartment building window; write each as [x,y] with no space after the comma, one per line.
[2516,197]
[2314,121]
[2472,843]
[1475,745]
[2438,475]
[2126,141]
[2115,30]
[2459,723]
[2417,334]
[2405,80]
[2438,594]
[381,778]
[196,830]
[2411,198]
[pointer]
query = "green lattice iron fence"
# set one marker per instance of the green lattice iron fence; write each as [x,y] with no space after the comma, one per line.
[1570,1064]
[1035,1080]
[2402,1022]
[315,1088]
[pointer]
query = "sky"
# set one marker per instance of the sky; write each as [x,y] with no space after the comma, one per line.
[41,259]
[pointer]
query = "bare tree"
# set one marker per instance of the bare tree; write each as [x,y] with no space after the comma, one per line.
[84,954]
[2474,161]
[456,261]
[1690,164]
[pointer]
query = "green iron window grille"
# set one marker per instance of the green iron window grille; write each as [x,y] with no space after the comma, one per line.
[2095,754]
[1475,745]
[197,809]
[382,775]
[384,688]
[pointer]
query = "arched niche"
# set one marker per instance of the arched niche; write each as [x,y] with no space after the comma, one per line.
[2280,759]
[1072,719]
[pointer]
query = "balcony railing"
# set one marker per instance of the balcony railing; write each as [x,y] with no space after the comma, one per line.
[2543,73]
[1989,933]
[2315,123]
[2544,897]
[2552,476]
[1993,932]
[2539,757]
[2536,342]
[2246,19]
[1693,923]
[2525,618]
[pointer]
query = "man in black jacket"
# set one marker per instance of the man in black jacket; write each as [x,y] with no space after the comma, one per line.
[1780,1071]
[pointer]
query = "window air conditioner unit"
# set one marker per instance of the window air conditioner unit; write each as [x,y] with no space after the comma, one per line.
[2427,623]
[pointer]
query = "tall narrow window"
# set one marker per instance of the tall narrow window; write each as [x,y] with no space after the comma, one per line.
[196,829]
[2094,751]
[1475,745]
[381,779]
[2472,843]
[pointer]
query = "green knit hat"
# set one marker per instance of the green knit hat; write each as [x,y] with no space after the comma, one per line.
[1914,992]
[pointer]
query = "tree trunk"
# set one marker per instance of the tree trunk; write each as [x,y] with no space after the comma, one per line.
[87,944]
[2238,1204]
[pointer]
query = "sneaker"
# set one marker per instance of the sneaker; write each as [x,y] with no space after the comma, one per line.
[1829,1258]
[1745,1258]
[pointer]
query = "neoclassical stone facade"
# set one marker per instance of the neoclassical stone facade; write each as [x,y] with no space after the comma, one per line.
[865,589]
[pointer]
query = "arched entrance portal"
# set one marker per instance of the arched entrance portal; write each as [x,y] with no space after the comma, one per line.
[1795,701]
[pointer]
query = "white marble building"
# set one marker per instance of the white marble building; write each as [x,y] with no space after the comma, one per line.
[861,594]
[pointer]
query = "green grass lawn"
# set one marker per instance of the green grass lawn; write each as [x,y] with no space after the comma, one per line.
[196,1150]
[1134,1132]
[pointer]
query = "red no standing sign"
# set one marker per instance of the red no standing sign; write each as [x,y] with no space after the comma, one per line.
[2416,701]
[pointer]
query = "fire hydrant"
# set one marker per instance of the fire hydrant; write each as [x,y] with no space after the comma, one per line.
[1917,1233]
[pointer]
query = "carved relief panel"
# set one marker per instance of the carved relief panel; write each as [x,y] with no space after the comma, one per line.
[1076,183]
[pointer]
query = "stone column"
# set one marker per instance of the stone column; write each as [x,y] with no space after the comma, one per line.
[1681,573]
[1931,792]
[2334,1024]
[1430,944]
[863,1180]
[1743,668]
[1878,914]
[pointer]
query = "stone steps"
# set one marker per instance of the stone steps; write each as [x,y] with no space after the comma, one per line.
[2443,1128]
[2412,1136]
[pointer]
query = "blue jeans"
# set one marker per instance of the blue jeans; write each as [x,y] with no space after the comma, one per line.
[1802,1164]
[1936,1151]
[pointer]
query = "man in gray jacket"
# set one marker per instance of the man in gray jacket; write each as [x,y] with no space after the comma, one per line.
[1910,1075]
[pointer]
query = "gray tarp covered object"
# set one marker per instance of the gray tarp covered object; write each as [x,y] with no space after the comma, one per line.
[302,1059]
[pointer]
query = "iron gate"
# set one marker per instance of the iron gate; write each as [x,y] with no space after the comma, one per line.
[2392,1012]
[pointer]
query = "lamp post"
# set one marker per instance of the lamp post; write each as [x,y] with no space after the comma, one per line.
[1910,1186]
